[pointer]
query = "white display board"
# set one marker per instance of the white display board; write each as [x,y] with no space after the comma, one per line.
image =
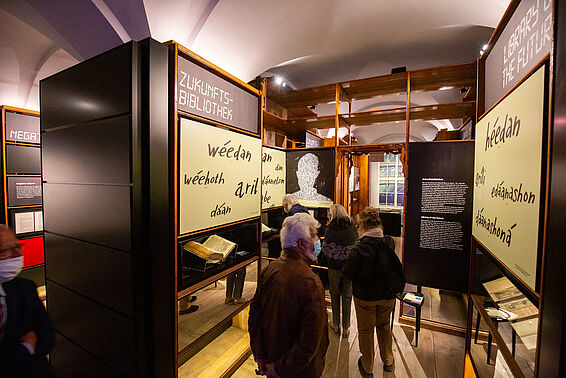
[507,178]
[273,178]
[219,176]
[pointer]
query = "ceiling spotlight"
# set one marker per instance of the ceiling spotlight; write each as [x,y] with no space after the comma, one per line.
[284,84]
[484,47]
[278,80]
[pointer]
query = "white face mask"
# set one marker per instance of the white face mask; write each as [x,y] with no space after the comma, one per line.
[10,268]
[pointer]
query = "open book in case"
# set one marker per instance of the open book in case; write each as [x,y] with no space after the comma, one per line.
[209,253]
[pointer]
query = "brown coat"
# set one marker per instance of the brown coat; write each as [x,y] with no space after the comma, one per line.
[288,320]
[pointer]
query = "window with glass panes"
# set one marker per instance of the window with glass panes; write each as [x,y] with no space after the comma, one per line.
[391,181]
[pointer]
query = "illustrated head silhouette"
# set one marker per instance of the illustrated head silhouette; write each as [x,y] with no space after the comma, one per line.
[307,171]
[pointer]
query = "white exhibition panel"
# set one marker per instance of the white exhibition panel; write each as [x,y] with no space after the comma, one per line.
[219,173]
[507,177]
[273,180]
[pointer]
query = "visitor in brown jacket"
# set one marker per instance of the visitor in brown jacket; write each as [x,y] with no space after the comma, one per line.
[288,321]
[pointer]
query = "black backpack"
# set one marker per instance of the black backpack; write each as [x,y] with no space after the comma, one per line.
[392,267]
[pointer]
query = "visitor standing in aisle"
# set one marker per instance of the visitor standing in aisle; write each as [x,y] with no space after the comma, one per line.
[288,321]
[26,334]
[340,235]
[377,276]
[291,205]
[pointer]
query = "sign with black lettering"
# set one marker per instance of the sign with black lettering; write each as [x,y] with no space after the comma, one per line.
[508,171]
[24,191]
[202,93]
[22,128]
[439,214]
[219,176]
[524,42]
[274,175]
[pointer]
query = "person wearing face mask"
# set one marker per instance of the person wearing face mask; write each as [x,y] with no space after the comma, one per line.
[26,334]
[291,205]
[288,321]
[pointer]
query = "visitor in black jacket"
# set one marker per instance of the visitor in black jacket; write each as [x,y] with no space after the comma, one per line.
[340,235]
[291,205]
[373,297]
[26,334]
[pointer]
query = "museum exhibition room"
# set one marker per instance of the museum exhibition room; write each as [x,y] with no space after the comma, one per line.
[149,148]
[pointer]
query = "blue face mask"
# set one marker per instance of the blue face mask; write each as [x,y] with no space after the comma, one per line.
[317,248]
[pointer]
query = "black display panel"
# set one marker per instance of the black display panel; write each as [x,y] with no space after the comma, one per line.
[439,214]
[98,214]
[205,94]
[102,274]
[85,153]
[23,160]
[80,319]
[22,128]
[310,176]
[99,88]
[24,191]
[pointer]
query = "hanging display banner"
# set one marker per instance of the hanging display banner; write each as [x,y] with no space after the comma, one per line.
[310,176]
[438,214]
[202,93]
[507,174]
[274,176]
[22,128]
[219,173]
[524,42]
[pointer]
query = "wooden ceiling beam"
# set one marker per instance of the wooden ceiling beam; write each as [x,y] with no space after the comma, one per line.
[459,75]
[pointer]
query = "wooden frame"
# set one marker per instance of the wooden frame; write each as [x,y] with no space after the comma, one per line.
[407,83]
[176,50]
[8,211]
[536,295]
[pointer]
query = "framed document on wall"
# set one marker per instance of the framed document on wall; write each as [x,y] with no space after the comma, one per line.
[24,191]
[219,176]
[310,176]
[508,178]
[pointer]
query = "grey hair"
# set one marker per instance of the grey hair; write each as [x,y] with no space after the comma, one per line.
[297,227]
[290,200]
[338,211]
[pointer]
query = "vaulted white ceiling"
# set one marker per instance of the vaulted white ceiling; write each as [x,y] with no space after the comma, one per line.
[309,42]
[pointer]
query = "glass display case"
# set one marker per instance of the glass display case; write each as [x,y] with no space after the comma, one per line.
[194,268]
[505,319]
[212,323]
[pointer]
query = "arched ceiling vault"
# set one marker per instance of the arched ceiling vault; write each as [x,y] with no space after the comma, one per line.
[309,42]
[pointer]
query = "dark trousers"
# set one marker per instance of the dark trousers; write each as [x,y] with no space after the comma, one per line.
[340,288]
[235,283]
